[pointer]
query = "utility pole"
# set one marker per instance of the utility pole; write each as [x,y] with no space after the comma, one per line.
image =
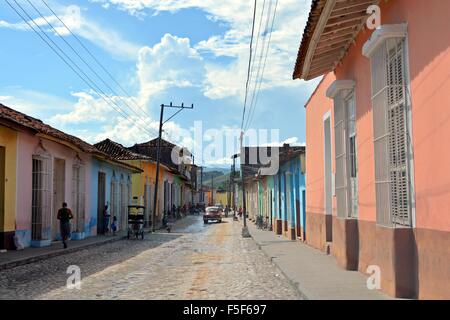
[233,173]
[202,200]
[245,232]
[212,189]
[193,181]
[158,153]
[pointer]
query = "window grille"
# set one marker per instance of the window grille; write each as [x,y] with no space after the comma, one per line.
[390,107]
[115,199]
[124,194]
[341,180]
[41,198]
[78,195]
[352,161]
[147,201]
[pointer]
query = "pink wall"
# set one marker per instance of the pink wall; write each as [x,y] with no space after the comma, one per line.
[27,144]
[316,108]
[429,62]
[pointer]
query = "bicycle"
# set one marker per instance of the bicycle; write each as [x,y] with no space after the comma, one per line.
[259,222]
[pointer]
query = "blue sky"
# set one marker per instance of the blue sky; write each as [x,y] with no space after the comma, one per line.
[191,51]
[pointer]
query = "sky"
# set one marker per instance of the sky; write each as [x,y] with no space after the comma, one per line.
[157,52]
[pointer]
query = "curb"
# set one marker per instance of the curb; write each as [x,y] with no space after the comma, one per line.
[21,262]
[296,285]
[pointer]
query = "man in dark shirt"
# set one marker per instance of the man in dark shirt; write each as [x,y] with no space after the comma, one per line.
[64,216]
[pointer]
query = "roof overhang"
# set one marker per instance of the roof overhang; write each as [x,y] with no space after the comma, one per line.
[331,29]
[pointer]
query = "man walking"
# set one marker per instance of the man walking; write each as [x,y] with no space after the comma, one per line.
[64,216]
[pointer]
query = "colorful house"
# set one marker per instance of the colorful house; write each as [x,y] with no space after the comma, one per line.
[8,183]
[143,183]
[279,198]
[378,180]
[176,184]
[51,167]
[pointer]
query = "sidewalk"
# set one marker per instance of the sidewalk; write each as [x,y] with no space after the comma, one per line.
[316,275]
[13,258]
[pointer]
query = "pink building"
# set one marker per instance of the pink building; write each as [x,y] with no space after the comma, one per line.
[378,177]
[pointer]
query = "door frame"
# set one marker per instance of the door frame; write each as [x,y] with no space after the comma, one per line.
[101,195]
[59,195]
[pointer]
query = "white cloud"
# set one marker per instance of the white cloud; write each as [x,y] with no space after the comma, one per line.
[223,81]
[109,40]
[170,63]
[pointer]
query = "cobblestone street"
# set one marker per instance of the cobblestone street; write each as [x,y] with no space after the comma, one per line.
[195,261]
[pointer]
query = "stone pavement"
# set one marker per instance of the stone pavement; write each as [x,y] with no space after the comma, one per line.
[194,261]
[316,275]
[14,258]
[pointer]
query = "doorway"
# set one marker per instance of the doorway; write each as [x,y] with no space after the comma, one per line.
[328,179]
[101,201]
[59,192]
[304,214]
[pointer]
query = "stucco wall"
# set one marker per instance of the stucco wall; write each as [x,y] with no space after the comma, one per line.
[429,66]
[8,140]
[317,107]
[27,146]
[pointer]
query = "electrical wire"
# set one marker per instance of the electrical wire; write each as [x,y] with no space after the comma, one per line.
[249,65]
[264,64]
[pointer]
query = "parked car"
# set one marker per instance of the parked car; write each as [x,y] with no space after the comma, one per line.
[212,214]
[220,206]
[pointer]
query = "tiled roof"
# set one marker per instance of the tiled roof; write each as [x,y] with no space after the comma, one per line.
[22,120]
[150,149]
[332,26]
[118,151]
[38,126]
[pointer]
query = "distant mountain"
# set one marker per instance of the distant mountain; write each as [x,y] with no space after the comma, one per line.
[223,170]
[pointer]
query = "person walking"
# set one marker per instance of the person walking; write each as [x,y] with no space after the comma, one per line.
[64,217]
[106,219]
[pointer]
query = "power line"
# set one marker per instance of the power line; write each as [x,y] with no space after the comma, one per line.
[85,63]
[249,65]
[88,82]
[264,64]
[95,59]
[257,38]
[263,49]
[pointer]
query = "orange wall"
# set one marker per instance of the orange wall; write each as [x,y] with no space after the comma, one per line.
[316,108]
[429,63]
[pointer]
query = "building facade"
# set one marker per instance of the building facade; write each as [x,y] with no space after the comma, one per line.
[377,183]
[52,167]
[279,198]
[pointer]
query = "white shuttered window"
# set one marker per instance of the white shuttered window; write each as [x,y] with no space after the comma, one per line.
[391,132]
[346,181]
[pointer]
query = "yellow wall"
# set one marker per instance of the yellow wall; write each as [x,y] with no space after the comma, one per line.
[221,197]
[8,140]
[148,174]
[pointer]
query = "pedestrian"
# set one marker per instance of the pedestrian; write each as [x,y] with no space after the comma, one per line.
[106,218]
[240,212]
[114,225]
[64,217]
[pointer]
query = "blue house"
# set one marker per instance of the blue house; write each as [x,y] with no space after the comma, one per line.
[278,199]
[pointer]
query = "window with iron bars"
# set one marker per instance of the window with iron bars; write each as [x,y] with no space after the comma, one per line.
[391,133]
[78,195]
[41,198]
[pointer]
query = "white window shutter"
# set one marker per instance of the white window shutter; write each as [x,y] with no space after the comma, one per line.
[390,133]
[341,181]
